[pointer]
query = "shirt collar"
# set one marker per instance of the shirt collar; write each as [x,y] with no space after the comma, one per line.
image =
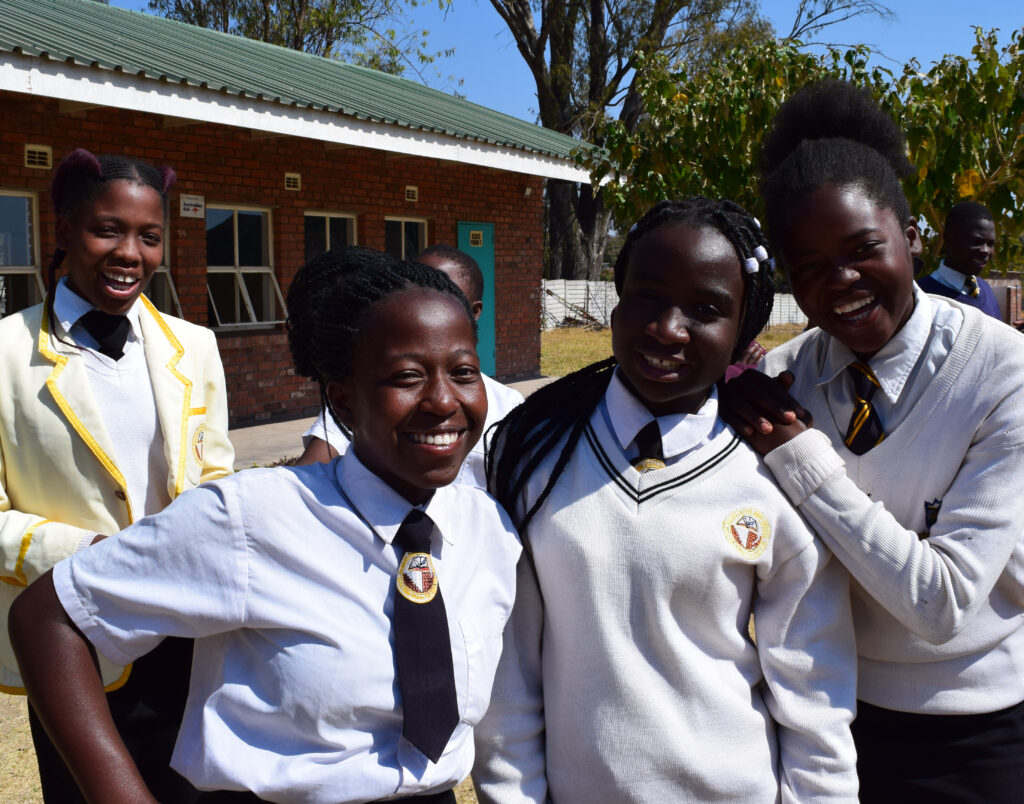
[950,276]
[680,432]
[68,307]
[894,362]
[381,506]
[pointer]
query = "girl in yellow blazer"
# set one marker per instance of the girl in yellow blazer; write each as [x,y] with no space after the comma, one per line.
[108,411]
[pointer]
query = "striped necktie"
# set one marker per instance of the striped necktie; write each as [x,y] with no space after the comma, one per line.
[651,455]
[865,430]
[971,286]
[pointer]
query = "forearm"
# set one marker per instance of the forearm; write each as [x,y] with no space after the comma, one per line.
[64,687]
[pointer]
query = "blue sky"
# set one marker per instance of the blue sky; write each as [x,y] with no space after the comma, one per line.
[493,73]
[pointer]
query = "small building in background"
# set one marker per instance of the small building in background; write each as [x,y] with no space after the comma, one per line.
[279,155]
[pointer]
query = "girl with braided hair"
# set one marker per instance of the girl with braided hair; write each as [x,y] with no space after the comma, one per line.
[347,616]
[911,468]
[651,537]
[108,411]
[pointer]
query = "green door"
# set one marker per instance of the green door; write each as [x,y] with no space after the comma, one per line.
[477,240]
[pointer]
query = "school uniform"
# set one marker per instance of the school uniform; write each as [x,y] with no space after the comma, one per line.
[948,282]
[929,524]
[87,446]
[628,672]
[294,692]
[500,400]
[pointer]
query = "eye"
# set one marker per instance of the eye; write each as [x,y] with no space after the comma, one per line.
[466,374]
[708,311]
[868,248]
[151,239]
[405,378]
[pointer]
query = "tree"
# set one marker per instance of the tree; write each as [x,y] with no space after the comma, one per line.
[583,58]
[365,32]
[964,121]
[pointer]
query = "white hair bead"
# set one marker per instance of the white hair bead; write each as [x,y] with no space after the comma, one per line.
[751,265]
[761,253]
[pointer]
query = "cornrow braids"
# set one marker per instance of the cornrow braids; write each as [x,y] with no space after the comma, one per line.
[558,413]
[329,332]
[832,134]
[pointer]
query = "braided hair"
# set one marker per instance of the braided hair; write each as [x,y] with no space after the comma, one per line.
[560,411]
[328,301]
[80,178]
[832,134]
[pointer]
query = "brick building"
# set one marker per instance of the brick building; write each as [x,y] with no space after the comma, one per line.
[279,155]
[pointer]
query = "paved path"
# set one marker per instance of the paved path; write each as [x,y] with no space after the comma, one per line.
[263,444]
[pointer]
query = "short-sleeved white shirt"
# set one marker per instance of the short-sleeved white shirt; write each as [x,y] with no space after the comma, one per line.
[289,593]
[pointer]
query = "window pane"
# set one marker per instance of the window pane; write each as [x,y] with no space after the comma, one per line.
[16,231]
[393,238]
[413,241]
[341,232]
[159,292]
[262,297]
[316,236]
[220,237]
[228,299]
[17,291]
[252,238]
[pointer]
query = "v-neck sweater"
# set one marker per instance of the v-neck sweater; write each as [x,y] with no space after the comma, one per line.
[929,523]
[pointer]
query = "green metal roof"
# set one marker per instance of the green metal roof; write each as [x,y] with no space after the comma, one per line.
[87,33]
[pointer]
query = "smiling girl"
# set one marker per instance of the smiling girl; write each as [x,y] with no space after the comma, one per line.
[911,472]
[347,615]
[651,536]
[108,411]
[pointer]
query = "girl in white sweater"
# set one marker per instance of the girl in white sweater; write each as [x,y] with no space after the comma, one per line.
[628,671]
[913,484]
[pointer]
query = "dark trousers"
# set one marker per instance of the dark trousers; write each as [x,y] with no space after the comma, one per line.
[940,759]
[147,711]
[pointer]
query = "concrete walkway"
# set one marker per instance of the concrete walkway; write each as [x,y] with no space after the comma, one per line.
[263,444]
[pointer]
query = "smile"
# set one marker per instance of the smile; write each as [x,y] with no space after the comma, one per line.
[434,439]
[121,281]
[664,364]
[854,306]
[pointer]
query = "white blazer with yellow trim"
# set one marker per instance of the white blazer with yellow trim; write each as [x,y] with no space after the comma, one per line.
[58,478]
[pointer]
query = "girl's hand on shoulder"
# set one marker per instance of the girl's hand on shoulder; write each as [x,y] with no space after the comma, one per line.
[760,409]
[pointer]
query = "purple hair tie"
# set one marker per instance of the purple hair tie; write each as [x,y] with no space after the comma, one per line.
[169,177]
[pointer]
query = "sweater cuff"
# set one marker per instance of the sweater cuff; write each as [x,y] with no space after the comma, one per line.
[802,464]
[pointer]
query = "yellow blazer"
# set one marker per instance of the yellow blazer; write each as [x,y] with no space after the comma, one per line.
[58,478]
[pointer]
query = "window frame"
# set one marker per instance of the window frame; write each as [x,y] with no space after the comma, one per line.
[239,272]
[424,229]
[35,269]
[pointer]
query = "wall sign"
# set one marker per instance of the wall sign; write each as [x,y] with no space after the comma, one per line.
[193,206]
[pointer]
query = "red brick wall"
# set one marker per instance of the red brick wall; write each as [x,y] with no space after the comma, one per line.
[232,166]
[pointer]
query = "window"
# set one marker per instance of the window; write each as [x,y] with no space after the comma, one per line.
[241,287]
[21,281]
[326,230]
[161,291]
[404,237]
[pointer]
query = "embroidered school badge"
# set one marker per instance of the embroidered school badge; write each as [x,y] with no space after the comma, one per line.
[931,516]
[416,579]
[648,465]
[748,531]
[197,443]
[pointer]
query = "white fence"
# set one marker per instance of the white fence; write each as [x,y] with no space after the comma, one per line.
[580,302]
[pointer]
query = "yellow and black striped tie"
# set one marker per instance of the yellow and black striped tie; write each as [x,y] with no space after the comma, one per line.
[971,286]
[865,430]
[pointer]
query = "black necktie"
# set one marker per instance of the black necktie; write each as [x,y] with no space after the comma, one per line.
[423,651]
[109,331]
[648,442]
[971,286]
[865,430]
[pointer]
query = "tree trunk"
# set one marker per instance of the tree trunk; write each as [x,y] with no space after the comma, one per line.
[577,229]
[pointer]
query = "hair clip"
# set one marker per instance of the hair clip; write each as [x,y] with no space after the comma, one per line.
[751,265]
[761,253]
[757,223]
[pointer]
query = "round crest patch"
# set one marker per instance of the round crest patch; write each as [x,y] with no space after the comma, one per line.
[748,531]
[648,465]
[416,579]
[197,443]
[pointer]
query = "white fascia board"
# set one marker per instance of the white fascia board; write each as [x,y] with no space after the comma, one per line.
[65,81]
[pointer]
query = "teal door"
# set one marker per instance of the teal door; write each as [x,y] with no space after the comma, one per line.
[477,240]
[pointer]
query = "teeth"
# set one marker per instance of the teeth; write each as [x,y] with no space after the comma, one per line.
[439,440]
[121,279]
[664,365]
[852,306]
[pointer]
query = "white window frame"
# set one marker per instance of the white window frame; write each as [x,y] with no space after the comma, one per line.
[239,272]
[316,213]
[34,269]
[404,219]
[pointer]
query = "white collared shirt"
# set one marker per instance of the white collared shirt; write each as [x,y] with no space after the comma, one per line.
[68,307]
[904,366]
[289,590]
[681,433]
[950,277]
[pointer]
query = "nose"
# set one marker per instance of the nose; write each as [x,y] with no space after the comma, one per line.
[439,396]
[127,250]
[670,326]
[843,274]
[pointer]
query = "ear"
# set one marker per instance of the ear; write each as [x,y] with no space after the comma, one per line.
[339,395]
[477,307]
[913,235]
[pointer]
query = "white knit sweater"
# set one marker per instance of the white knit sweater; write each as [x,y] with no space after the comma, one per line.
[939,619]
[628,673]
